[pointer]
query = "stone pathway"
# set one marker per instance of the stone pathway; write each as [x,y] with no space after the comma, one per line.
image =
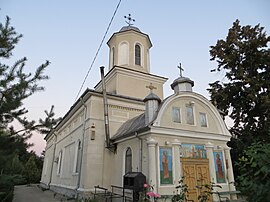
[29,193]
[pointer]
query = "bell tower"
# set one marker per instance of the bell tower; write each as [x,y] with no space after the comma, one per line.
[129,64]
[130,48]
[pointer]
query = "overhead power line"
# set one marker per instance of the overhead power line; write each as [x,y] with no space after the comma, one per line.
[101,43]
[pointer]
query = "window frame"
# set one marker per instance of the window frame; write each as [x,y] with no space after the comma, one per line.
[138,54]
[188,118]
[176,118]
[128,160]
[203,123]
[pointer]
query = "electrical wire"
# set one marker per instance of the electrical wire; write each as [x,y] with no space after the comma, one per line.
[101,43]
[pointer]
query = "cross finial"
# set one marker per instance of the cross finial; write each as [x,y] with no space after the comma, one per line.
[151,87]
[180,69]
[130,20]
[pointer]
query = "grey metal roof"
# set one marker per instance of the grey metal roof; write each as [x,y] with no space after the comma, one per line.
[130,127]
[152,96]
[125,28]
[182,80]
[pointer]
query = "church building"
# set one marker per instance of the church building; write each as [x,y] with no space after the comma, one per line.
[125,125]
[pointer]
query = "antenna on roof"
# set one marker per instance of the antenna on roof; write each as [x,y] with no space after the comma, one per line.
[130,20]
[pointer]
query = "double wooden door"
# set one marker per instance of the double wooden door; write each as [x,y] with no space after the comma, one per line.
[195,172]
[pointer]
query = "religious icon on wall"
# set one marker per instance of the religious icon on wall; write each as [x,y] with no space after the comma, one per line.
[219,166]
[193,151]
[165,159]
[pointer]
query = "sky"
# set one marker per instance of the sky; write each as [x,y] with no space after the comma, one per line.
[68,34]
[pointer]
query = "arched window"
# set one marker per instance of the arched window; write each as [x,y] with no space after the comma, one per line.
[77,157]
[59,167]
[113,62]
[137,55]
[128,160]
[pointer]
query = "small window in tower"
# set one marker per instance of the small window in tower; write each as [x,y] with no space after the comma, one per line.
[137,55]
[113,63]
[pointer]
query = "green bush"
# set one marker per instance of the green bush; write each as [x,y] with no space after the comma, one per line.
[254,180]
[7,183]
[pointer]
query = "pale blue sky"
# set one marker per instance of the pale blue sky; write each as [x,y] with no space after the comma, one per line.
[68,33]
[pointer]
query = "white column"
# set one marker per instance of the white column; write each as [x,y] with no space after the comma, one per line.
[229,168]
[212,170]
[152,171]
[176,161]
[210,156]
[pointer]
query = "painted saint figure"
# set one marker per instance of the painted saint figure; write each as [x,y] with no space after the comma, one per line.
[165,165]
[219,167]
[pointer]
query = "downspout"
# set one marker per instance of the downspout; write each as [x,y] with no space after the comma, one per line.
[106,116]
[82,146]
[140,152]
[54,148]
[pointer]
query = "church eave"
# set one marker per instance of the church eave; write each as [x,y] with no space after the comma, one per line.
[145,35]
[130,70]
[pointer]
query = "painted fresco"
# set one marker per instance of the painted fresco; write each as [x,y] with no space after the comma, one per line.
[165,159]
[193,151]
[219,166]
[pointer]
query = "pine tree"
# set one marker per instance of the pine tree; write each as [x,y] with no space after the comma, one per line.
[15,87]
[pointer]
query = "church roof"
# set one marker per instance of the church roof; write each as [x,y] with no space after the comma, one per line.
[182,80]
[125,28]
[152,96]
[136,124]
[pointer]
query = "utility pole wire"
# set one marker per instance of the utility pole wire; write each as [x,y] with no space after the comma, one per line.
[98,50]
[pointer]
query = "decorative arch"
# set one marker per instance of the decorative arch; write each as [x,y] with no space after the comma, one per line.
[220,123]
[123,54]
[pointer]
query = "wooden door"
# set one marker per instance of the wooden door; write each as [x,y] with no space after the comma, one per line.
[196,172]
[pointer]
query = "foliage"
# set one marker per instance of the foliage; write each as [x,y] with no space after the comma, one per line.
[254,166]
[206,191]
[181,192]
[7,183]
[244,94]
[31,171]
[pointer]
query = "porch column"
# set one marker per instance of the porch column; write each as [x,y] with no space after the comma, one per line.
[177,163]
[229,167]
[210,156]
[212,170]
[152,171]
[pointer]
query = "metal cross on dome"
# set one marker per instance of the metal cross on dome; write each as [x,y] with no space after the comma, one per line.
[151,87]
[129,20]
[181,69]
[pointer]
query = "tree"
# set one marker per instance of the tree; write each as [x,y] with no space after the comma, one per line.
[31,171]
[244,94]
[16,85]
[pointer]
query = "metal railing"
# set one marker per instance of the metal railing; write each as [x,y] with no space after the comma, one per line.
[116,194]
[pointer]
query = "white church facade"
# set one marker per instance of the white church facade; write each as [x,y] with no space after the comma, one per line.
[133,128]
